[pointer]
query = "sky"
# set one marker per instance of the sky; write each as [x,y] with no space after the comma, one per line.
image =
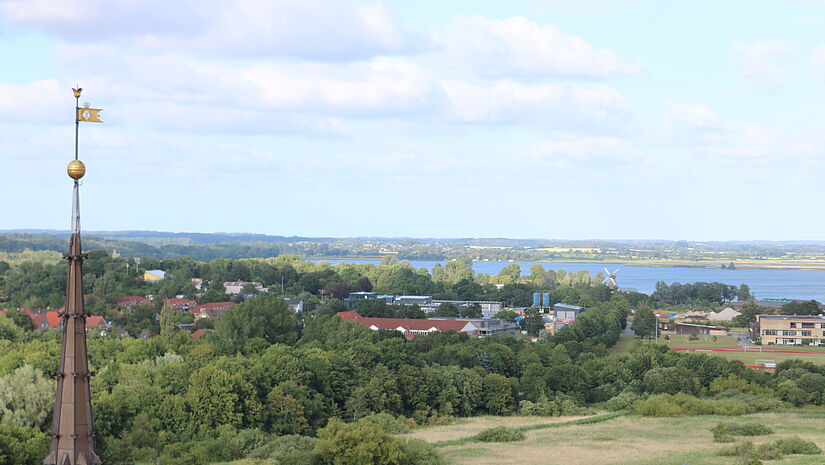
[564,119]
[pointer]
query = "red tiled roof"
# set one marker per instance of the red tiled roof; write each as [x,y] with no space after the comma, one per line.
[53,319]
[409,324]
[213,306]
[178,301]
[95,322]
[199,333]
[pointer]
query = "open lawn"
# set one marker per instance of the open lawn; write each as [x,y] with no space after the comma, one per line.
[466,427]
[627,440]
[750,358]
[680,341]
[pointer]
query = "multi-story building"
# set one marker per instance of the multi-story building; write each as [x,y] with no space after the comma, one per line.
[789,329]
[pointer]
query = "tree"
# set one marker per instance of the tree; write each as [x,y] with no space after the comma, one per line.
[26,398]
[168,318]
[21,319]
[644,323]
[507,315]
[249,289]
[532,322]
[22,446]
[284,414]
[498,395]
[266,317]
[471,311]
[446,309]
[358,443]
[331,307]
[744,293]
[747,314]
[807,307]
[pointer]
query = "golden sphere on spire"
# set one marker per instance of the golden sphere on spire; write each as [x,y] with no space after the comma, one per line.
[76,169]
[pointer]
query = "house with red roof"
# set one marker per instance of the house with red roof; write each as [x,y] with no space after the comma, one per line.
[52,319]
[180,305]
[410,327]
[212,309]
[131,301]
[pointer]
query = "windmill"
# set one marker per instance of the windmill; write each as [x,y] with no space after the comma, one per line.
[610,280]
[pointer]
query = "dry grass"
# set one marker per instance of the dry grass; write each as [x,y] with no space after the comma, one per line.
[636,441]
[471,426]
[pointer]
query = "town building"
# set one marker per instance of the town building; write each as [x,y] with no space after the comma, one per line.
[789,329]
[211,310]
[566,312]
[235,287]
[412,299]
[154,275]
[296,305]
[700,330]
[411,327]
[488,326]
[488,308]
[180,305]
[131,301]
[727,314]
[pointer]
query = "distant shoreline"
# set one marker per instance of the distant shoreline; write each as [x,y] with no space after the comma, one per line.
[778,265]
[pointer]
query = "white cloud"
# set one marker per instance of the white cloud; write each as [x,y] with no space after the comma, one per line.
[566,151]
[520,47]
[763,62]
[698,117]
[39,102]
[336,30]
[567,104]
[818,61]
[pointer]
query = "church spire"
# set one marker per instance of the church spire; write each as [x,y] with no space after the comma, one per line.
[72,427]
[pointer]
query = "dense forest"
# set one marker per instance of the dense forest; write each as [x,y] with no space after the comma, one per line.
[272,387]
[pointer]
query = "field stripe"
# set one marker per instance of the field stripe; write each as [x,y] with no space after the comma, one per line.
[580,421]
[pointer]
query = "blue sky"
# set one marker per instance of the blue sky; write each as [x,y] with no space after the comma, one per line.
[614,119]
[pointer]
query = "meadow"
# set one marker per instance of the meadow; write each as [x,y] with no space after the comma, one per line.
[624,440]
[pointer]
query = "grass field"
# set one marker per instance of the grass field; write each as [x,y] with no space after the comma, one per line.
[628,341]
[627,440]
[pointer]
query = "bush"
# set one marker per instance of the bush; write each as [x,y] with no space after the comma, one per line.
[292,448]
[745,448]
[770,451]
[729,403]
[622,401]
[386,422]
[796,445]
[723,432]
[500,434]
[420,452]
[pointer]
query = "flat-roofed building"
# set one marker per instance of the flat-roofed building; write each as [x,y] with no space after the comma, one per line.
[789,329]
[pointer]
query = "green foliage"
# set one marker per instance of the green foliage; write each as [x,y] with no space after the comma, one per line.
[290,449]
[723,431]
[266,317]
[729,403]
[771,451]
[26,398]
[386,423]
[500,434]
[22,446]
[357,444]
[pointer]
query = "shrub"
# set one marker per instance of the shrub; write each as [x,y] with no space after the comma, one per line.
[621,401]
[723,430]
[386,422]
[745,448]
[658,406]
[500,434]
[420,452]
[292,448]
[796,445]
